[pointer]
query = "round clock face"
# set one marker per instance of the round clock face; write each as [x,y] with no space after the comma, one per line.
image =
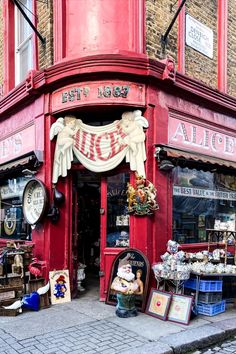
[34,201]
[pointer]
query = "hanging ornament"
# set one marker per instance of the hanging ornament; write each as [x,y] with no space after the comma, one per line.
[141,197]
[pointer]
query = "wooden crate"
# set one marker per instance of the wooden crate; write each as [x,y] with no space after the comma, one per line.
[34,285]
[4,312]
[4,288]
[6,295]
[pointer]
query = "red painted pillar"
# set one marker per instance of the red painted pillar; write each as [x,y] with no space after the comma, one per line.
[88,27]
[222,44]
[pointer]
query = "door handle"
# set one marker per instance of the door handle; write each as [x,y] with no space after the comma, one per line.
[101,273]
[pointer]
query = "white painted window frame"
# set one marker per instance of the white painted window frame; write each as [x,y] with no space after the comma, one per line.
[28,41]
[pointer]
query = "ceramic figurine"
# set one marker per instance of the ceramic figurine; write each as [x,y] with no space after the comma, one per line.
[18,264]
[125,286]
[80,276]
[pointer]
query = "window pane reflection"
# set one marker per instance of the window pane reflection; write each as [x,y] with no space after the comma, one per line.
[202,200]
[117,215]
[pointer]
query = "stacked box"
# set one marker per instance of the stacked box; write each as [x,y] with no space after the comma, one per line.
[211,309]
[210,301]
[209,297]
[205,285]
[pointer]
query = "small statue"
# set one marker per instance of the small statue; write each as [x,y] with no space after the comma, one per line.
[132,125]
[169,71]
[65,129]
[80,276]
[125,286]
[17,266]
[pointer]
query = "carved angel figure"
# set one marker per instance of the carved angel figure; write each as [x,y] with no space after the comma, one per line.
[132,124]
[65,129]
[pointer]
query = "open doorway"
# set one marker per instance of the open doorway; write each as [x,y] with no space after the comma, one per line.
[86,234]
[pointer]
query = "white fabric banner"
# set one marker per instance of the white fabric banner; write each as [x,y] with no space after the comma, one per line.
[99,148]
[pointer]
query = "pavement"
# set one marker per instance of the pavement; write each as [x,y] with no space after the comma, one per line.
[86,325]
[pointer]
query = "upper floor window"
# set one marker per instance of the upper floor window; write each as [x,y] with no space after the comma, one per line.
[23,41]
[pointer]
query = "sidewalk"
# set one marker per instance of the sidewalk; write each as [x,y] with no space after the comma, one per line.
[86,325]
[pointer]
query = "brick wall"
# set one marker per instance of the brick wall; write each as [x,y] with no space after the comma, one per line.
[198,65]
[159,14]
[232,48]
[45,28]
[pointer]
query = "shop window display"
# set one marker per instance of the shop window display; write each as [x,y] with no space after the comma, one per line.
[117,212]
[13,225]
[202,200]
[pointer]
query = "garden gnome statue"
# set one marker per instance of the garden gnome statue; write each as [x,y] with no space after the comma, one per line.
[125,287]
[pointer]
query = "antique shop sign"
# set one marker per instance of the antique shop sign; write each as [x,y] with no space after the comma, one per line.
[139,264]
[17,144]
[203,193]
[201,138]
[199,36]
[34,201]
[99,148]
[112,92]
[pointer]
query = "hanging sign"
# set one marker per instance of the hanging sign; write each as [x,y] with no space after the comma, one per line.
[34,201]
[99,148]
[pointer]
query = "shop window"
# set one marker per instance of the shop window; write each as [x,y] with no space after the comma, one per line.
[23,42]
[13,225]
[117,215]
[202,200]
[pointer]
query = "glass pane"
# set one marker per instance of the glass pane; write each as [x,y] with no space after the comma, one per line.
[201,201]
[12,223]
[24,29]
[25,60]
[117,215]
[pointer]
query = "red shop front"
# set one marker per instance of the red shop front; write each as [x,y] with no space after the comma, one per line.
[190,159]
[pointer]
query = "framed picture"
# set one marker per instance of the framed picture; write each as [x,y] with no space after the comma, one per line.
[60,286]
[140,269]
[158,304]
[180,308]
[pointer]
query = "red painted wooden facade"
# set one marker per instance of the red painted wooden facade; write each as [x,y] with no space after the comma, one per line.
[106,48]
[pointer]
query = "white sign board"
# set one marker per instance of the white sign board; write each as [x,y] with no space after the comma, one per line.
[199,36]
[203,193]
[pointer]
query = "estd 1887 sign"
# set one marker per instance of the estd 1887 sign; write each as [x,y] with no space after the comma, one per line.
[34,201]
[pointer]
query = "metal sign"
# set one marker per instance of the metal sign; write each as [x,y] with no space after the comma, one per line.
[199,36]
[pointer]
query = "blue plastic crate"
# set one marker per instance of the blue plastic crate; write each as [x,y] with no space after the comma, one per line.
[205,285]
[211,309]
[209,297]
